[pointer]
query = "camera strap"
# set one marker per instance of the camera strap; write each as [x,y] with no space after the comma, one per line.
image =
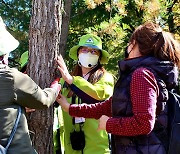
[73,101]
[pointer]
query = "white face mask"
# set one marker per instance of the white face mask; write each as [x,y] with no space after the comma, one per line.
[88,60]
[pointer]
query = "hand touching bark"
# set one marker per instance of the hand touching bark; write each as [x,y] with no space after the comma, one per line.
[63,69]
[56,86]
[63,102]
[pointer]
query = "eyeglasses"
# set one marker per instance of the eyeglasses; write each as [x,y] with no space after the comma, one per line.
[92,51]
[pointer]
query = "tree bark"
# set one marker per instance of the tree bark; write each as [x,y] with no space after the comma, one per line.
[44,38]
[65,26]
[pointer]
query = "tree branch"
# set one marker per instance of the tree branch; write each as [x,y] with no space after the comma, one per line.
[171,6]
[6,4]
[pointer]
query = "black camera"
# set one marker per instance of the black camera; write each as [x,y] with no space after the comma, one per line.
[77,140]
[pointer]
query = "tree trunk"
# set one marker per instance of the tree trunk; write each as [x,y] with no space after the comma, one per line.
[65,27]
[44,38]
[170,15]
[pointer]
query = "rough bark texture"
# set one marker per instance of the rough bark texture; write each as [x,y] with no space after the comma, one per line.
[44,38]
[65,28]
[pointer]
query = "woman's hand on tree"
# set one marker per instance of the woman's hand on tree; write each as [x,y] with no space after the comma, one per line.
[63,102]
[63,69]
[56,86]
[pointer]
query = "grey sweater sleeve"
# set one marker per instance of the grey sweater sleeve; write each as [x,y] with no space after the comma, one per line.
[29,94]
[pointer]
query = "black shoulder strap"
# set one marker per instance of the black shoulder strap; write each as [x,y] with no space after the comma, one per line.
[174,123]
[174,107]
[73,101]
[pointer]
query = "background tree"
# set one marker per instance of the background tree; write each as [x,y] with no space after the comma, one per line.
[16,15]
[44,38]
[113,20]
[118,18]
[65,26]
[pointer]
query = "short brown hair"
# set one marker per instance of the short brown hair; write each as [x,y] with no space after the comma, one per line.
[153,41]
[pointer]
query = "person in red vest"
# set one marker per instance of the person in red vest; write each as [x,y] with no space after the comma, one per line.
[136,114]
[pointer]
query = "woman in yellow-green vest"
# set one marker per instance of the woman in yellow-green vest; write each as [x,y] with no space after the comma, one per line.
[89,83]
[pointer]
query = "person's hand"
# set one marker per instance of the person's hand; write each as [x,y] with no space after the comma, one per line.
[63,102]
[63,69]
[102,122]
[55,85]
[29,110]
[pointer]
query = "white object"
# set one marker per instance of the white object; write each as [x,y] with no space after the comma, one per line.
[7,42]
